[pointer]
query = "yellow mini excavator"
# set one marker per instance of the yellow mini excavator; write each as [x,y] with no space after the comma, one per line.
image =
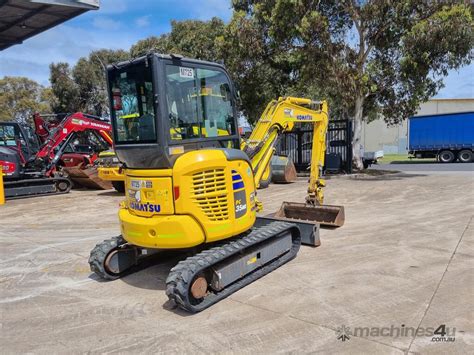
[188,185]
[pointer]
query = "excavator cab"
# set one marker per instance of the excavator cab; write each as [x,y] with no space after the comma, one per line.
[164,106]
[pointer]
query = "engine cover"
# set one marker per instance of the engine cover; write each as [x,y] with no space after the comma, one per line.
[12,160]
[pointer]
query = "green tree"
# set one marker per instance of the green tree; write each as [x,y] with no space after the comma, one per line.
[191,38]
[156,44]
[20,97]
[64,89]
[197,39]
[261,71]
[83,87]
[90,79]
[369,58]
[239,45]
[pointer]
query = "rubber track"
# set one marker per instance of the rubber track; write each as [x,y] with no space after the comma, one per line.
[100,252]
[179,280]
[57,180]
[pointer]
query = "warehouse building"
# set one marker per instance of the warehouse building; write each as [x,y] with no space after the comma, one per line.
[394,139]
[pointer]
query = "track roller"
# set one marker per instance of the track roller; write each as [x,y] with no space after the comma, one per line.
[210,276]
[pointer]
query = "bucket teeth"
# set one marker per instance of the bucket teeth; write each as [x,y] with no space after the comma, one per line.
[325,215]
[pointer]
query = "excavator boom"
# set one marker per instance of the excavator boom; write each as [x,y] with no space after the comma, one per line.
[280,116]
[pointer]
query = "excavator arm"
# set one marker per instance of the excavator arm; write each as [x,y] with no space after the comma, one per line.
[280,116]
[60,134]
[77,122]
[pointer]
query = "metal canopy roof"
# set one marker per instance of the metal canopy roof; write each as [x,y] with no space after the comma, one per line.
[22,19]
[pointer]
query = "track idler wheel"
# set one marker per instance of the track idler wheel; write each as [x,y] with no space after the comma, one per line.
[199,287]
[111,259]
[63,186]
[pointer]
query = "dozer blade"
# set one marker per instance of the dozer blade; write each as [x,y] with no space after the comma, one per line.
[326,215]
[309,231]
[87,177]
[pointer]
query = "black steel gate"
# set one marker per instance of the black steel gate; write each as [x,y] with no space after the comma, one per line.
[297,146]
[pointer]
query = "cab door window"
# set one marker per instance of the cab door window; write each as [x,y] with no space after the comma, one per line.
[182,105]
[7,136]
[133,105]
[215,100]
[199,103]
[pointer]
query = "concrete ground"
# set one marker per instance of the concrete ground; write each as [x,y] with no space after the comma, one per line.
[428,168]
[403,261]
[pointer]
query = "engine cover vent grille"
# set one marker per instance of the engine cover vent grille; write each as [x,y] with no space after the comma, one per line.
[210,193]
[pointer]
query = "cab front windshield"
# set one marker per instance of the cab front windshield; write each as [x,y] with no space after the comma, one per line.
[199,103]
[133,111]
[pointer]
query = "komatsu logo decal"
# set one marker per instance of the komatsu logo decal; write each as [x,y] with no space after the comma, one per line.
[145,207]
[304,117]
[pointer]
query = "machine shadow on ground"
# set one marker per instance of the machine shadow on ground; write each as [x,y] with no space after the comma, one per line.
[385,177]
[151,273]
[110,193]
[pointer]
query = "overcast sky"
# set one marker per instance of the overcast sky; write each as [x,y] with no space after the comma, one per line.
[120,23]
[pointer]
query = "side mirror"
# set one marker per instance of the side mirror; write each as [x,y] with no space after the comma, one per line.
[238,99]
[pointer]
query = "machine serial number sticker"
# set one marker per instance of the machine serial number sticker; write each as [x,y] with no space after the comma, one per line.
[136,184]
[186,72]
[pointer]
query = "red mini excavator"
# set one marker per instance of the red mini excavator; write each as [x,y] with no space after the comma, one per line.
[38,162]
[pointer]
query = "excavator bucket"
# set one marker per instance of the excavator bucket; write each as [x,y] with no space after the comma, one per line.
[326,215]
[283,169]
[87,177]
